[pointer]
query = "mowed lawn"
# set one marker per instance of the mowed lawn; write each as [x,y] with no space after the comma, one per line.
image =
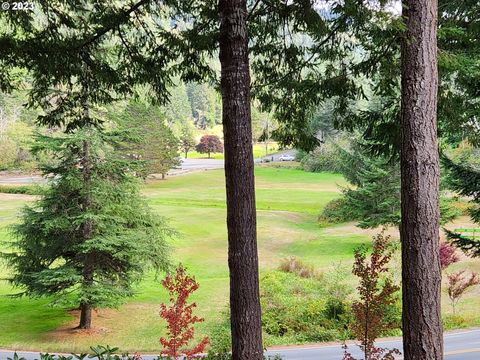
[288,202]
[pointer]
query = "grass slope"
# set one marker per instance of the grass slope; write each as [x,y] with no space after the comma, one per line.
[288,201]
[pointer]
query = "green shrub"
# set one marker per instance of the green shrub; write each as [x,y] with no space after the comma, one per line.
[453,321]
[298,309]
[220,337]
[449,210]
[8,149]
[336,211]
[323,158]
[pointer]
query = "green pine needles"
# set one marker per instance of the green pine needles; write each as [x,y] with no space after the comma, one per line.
[464,178]
[90,236]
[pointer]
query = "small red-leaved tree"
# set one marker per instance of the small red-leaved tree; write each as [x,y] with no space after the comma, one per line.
[375,296]
[458,283]
[448,255]
[209,144]
[179,316]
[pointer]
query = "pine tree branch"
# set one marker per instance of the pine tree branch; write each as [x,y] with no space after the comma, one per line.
[114,25]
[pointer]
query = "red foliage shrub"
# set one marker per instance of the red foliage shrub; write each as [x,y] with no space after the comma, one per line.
[458,283]
[448,255]
[375,295]
[179,316]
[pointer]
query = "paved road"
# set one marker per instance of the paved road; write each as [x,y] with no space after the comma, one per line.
[187,166]
[463,345]
[276,156]
[21,180]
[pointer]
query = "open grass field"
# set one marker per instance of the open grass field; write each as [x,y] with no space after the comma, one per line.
[288,202]
[258,152]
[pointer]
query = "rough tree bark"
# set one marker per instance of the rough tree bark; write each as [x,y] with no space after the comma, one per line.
[85,307]
[240,186]
[419,230]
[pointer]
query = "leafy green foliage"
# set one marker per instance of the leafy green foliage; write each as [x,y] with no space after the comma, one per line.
[465,179]
[103,49]
[8,149]
[458,77]
[186,140]
[98,352]
[300,309]
[374,197]
[206,105]
[326,157]
[152,142]
[336,211]
[52,252]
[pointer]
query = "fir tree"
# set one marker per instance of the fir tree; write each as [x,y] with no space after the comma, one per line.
[156,143]
[90,236]
[465,179]
[374,199]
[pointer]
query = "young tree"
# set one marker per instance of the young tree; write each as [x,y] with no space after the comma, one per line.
[179,316]
[458,284]
[375,197]
[245,312]
[422,324]
[376,294]
[187,140]
[209,144]
[91,235]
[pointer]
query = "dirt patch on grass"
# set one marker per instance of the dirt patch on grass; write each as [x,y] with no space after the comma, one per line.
[104,323]
[71,329]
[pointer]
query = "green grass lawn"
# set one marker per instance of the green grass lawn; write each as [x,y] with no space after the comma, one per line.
[288,202]
[258,152]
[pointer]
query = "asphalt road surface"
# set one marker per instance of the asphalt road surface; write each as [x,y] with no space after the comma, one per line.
[462,345]
[20,180]
[188,165]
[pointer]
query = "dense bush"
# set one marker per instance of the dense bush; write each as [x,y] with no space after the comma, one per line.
[324,158]
[339,210]
[300,309]
[336,211]
[8,149]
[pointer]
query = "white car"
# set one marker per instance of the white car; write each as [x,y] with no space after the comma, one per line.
[286,157]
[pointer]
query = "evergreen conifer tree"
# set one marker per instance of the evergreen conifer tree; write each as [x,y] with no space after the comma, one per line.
[90,236]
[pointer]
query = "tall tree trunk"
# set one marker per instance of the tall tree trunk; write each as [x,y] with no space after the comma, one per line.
[87,231]
[419,230]
[240,185]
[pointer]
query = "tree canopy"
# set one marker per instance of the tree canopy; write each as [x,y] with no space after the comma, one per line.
[54,254]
